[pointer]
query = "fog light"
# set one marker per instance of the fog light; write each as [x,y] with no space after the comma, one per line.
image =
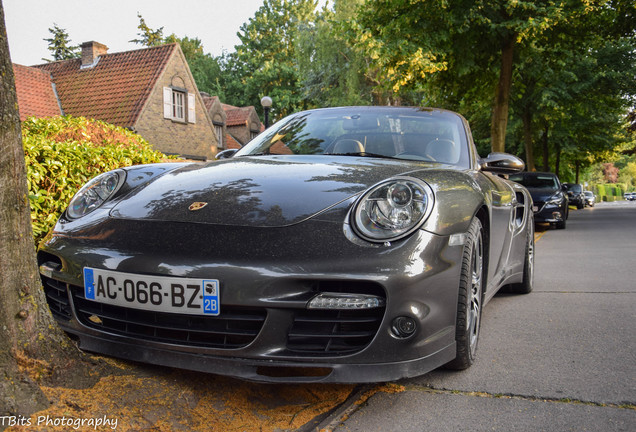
[403,327]
[345,301]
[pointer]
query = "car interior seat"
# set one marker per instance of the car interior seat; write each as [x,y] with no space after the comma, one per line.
[347,145]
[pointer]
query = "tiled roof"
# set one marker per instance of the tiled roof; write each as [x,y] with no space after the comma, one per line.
[115,89]
[231,142]
[237,115]
[209,101]
[35,92]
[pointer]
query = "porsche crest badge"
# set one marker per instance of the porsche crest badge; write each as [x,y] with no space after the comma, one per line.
[197,206]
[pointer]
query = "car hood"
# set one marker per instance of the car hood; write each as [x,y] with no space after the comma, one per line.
[268,191]
[541,195]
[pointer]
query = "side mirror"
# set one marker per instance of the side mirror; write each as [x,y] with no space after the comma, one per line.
[225,154]
[502,163]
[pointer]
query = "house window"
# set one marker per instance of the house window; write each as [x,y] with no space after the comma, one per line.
[179,105]
[218,130]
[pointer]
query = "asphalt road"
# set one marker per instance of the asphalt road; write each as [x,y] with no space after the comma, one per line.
[562,358]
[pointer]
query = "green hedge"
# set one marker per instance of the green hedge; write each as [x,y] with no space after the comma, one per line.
[608,192]
[63,153]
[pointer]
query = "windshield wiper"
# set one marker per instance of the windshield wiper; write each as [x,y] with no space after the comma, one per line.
[363,154]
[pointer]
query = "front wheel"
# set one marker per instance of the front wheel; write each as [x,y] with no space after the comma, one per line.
[470,300]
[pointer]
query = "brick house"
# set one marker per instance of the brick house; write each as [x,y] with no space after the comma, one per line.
[217,115]
[236,125]
[243,124]
[150,91]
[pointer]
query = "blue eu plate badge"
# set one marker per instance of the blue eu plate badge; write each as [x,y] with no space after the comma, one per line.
[89,284]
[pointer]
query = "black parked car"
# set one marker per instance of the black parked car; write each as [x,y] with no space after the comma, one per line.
[575,194]
[550,202]
[341,245]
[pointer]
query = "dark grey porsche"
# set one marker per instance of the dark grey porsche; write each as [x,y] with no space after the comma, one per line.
[353,244]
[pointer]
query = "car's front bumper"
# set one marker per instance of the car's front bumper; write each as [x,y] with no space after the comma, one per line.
[264,370]
[550,213]
[267,276]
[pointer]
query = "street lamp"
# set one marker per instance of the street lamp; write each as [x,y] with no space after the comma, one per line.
[266,101]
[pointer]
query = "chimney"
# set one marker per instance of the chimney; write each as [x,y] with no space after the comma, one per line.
[91,51]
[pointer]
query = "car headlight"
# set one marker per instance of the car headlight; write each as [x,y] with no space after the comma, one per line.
[95,193]
[392,209]
[555,199]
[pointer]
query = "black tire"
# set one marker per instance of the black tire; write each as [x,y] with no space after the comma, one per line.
[470,300]
[561,225]
[525,286]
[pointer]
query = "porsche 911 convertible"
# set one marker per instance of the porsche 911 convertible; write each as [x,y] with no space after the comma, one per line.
[353,244]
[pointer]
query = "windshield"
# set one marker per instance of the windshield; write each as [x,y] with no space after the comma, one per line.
[576,188]
[402,133]
[547,182]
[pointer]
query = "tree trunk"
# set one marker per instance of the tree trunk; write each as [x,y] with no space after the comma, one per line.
[502,95]
[546,150]
[557,164]
[577,165]
[527,139]
[28,333]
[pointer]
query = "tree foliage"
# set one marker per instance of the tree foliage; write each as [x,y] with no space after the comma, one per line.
[266,61]
[573,87]
[334,72]
[554,78]
[60,45]
[148,37]
[447,48]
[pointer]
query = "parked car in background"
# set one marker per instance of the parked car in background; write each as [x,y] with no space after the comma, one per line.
[575,194]
[630,196]
[550,202]
[355,244]
[590,199]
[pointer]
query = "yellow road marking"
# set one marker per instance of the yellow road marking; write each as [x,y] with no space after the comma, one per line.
[538,235]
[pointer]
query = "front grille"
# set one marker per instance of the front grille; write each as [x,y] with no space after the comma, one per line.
[320,332]
[336,332]
[235,328]
[539,205]
[57,298]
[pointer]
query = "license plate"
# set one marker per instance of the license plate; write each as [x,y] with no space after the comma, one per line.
[155,293]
